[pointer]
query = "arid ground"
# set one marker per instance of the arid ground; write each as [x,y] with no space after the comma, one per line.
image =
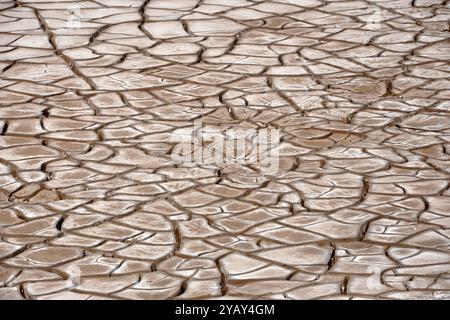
[95,96]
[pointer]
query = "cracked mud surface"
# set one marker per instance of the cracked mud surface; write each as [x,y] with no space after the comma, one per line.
[92,206]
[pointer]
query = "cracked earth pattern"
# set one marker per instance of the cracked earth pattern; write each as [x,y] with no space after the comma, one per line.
[94,93]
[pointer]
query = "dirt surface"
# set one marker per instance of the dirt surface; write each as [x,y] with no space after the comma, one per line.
[95,95]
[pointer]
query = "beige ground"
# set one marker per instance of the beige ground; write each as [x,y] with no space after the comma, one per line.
[93,95]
